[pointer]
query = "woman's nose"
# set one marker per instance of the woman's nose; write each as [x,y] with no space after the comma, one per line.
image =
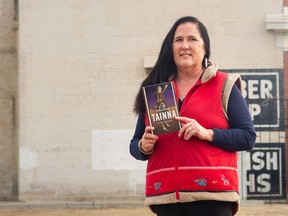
[185,45]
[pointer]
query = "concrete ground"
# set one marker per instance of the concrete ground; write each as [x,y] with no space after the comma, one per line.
[252,208]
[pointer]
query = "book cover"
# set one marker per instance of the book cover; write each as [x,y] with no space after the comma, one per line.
[161,107]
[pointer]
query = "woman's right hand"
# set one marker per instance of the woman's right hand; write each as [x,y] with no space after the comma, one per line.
[148,140]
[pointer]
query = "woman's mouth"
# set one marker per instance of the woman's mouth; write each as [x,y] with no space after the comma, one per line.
[184,54]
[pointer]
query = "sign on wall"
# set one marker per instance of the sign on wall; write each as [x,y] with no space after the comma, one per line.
[262,94]
[263,168]
[265,173]
[263,90]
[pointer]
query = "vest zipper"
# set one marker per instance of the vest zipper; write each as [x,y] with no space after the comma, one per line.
[177,171]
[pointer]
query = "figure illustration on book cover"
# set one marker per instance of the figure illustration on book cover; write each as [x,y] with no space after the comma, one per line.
[162,107]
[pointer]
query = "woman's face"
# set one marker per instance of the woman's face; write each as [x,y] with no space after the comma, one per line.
[188,47]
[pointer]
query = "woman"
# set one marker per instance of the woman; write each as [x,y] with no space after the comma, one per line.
[194,171]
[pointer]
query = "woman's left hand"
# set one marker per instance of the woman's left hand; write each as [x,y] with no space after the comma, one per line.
[190,127]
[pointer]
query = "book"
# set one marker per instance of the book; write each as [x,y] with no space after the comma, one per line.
[161,107]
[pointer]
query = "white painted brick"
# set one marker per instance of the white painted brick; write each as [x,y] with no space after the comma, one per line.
[80,67]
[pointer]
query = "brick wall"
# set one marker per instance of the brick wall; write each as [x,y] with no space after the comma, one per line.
[80,65]
[8,61]
[285,62]
[285,57]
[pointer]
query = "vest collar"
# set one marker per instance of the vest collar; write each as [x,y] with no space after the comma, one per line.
[210,71]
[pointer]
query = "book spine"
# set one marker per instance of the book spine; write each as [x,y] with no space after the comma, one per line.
[147,108]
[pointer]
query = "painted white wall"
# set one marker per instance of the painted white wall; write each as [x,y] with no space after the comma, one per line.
[80,66]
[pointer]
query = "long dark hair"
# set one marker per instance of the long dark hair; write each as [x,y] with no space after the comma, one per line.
[165,66]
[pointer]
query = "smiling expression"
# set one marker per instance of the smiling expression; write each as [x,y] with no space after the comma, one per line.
[188,47]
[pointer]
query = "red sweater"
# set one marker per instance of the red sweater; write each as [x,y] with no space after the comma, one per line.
[179,167]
